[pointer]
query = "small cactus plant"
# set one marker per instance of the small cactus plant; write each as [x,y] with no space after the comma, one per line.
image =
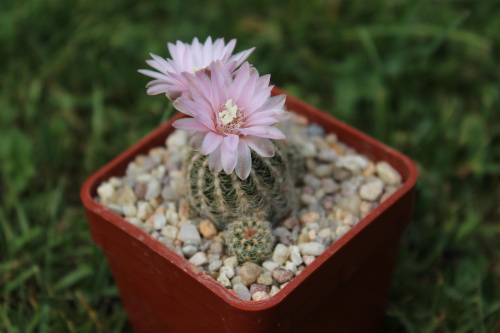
[266,193]
[249,239]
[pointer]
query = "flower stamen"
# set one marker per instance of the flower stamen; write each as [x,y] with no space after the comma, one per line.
[231,116]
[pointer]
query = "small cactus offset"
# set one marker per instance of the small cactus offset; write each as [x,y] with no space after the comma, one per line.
[266,193]
[249,239]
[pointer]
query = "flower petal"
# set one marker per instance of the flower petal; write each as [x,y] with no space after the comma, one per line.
[214,160]
[211,142]
[190,124]
[231,142]
[262,146]
[228,158]
[244,163]
[197,140]
[241,56]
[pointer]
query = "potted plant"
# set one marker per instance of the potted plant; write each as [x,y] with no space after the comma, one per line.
[241,189]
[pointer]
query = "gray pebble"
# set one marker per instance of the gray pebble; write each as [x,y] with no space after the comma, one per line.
[315,130]
[215,265]
[189,233]
[328,155]
[199,259]
[242,291]
[189,250]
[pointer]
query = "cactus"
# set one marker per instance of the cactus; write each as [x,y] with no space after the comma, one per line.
[249,239]
[267,192]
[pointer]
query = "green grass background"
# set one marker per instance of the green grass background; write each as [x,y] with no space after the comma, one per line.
[421,76]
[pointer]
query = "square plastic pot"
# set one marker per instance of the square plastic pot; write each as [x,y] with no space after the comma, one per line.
[344,290]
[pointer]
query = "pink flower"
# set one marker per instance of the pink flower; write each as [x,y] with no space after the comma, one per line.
[231,114]
[190,59]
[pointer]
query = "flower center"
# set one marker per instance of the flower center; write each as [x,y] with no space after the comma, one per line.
[231,116]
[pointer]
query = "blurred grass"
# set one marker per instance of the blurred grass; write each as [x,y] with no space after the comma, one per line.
[422,76]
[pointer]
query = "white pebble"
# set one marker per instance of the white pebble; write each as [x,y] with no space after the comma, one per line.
[308,149]
[144,210]
[105,190]
[231,262]
[308,260]
[353,163]
[260,295]
[311,249]
[388,174]
[323,170]
[295,255]
[274,291]
[116,208]
[291,266]
[159,221]
[170,231]
[229,271]
[341,230]
[265,279]
[153,189]
[371,191]
[270,265]
[199,259]
[312,181]
[224,280]
[280,254]
[129,210]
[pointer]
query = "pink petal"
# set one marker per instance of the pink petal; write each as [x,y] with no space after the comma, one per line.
[241,56]
[228,158]
[244,163]
[258,99]
[197,53]
[190,124]
[153,74]
[207,52]
[247,93]
[214,160]
[228,49]
[197,140]
[274,103]
[263,82]
[263,147]
[185,106]
[158,89]
[211,142]
[240,78]
[217,49]
[231,142]
[262,118]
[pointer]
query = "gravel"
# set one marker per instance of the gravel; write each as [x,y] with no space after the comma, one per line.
[337,188]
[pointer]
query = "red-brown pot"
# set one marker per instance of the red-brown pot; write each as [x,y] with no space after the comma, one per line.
[344,290]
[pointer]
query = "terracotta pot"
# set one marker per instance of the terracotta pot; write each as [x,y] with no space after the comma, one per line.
[343,290]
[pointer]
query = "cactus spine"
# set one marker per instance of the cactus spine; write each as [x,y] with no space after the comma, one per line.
[266,193]
[249,239]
